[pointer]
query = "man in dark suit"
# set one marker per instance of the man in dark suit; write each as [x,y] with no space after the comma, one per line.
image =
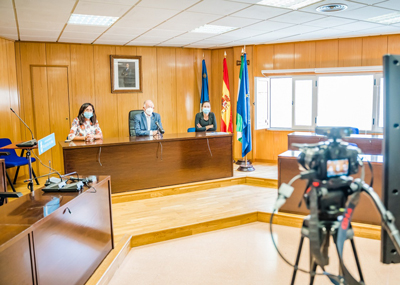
[145,122]
[128,77]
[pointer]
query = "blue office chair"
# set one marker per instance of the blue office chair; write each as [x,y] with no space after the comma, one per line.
[355,131]
[191,130]
[13,160]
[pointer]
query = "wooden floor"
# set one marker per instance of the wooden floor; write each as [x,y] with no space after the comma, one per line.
[152,215]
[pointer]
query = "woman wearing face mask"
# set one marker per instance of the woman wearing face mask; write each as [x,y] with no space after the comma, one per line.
[85,126]
[205,121]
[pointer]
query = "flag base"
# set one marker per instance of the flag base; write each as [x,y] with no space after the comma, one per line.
[246,168]
[243,162]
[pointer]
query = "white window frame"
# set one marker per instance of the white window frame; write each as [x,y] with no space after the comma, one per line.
[375,112]
[377,86]
[267,124]
[314,106]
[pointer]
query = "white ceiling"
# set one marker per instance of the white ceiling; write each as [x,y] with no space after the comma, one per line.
[169,22]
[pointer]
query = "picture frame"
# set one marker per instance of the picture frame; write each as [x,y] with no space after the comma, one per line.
[126,74]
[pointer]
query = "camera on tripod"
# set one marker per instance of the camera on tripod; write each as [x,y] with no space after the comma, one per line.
[331,196]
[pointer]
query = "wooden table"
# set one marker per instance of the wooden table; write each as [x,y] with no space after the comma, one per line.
[144,162]
[63,247]
[365,211]
[369,144]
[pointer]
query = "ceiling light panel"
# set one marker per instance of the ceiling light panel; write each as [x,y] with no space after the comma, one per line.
[213,29]
[91,20]
[289,4]
[390,18]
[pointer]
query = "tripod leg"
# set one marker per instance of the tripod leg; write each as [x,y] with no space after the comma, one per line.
[297,260]
[312,272]
[357,261]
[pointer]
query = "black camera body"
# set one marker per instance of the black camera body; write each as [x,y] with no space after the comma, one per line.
[332,158]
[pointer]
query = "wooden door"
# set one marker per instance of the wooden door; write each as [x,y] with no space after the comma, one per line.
[51,111]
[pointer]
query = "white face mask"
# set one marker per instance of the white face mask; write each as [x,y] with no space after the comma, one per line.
[149,111]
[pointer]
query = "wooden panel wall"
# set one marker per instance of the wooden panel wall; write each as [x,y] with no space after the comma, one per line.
[171,79]
[10,124]
[363,51]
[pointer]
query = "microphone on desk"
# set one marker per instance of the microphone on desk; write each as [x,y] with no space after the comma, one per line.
[160,128]
[30,143]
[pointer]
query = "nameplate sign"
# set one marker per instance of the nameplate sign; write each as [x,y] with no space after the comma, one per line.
[46,143]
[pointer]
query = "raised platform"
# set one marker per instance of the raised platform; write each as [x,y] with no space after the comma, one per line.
[150,216]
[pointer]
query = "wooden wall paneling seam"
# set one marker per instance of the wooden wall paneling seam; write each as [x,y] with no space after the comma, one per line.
[106,102]
[166,82]
[31,53]
[36,92]
[373,49]
[350,52]
[304,54]
[126,101]
[394,44]
[327,53]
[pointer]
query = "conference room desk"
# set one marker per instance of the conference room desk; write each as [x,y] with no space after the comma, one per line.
[369,144]
[365,211]
[143,162]
[43,243]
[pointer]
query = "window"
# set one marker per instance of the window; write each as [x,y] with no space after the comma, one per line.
[304,102]
[281,100]
[345,101]
[303,98]
[262,102]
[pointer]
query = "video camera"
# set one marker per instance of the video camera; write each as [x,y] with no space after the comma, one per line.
[332,158]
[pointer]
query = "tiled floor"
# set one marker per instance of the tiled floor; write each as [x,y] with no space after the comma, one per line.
[241,255]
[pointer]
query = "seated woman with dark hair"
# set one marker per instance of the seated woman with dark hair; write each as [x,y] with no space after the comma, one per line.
[85,126]
[205,121]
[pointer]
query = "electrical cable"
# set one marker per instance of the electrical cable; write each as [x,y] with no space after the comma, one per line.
[45,165]
[276,247]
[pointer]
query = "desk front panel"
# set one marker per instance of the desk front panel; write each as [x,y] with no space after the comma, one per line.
[365,211]
[135,166]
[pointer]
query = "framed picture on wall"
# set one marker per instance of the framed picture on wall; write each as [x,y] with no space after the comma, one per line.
[126,74]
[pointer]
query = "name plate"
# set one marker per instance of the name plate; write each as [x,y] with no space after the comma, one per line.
[46,143]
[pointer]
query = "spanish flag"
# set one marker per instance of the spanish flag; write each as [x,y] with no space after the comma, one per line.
[226,111]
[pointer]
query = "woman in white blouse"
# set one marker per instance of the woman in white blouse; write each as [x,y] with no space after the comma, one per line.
[85,126]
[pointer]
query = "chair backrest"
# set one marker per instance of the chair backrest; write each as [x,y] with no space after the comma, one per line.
[191,130]
[355,131]
[132,115]
[6,141]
